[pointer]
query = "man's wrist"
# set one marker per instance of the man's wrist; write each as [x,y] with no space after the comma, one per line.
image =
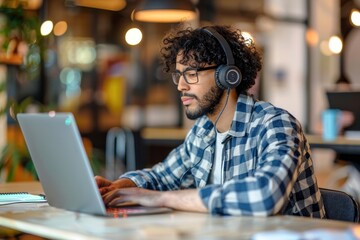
[165,198]
[124,183]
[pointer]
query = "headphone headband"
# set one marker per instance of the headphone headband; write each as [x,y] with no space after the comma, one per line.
[224,44]
[226,76]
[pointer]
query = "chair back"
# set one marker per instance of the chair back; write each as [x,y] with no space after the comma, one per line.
[340,205]
[120,152]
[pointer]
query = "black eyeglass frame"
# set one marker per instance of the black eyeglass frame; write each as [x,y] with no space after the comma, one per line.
[176,79]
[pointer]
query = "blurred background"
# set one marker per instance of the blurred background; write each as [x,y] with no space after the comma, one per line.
[99,59]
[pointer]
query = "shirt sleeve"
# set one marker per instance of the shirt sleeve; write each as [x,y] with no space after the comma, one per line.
[265,191]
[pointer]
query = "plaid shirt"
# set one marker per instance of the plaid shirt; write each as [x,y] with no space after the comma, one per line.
[266,170]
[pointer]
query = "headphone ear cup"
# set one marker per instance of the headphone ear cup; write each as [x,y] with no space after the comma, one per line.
[227,77]
[219,77]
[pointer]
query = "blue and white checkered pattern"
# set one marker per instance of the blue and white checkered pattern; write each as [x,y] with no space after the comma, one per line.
[267,167]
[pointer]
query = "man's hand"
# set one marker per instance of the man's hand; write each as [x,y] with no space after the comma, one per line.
[141,196]
[185,200]
[106,185]
[124,190]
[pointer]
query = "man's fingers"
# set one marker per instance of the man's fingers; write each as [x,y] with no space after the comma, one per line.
[99,180]
[115,197]
[102,182]
[117,201]
[105,190]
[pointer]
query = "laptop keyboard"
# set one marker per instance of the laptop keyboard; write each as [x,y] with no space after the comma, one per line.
[123,211]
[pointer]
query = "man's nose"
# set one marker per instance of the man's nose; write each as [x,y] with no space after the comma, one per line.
[183,85]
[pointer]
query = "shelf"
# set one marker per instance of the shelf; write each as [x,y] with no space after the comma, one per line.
[11,60]
[164,133]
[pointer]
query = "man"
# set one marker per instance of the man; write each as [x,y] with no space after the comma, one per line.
[242,156]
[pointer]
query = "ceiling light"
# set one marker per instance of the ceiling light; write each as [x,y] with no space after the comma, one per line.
[46,28]
[335,44]
[355,17]
[133,36]
[163,11]
[31,4]
[112,5]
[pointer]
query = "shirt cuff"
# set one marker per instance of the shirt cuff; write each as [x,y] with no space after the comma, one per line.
[211,197]
[136,177]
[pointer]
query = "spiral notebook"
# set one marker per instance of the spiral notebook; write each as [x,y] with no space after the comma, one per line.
[20,197]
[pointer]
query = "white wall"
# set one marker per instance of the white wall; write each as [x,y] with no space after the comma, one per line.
[285,57]
[284,75]
[352,56]
[325,69]
[284,69]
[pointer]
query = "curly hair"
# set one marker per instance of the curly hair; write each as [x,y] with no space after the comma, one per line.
[198,47]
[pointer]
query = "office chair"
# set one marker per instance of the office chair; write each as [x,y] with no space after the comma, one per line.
[340,205]
[120,152]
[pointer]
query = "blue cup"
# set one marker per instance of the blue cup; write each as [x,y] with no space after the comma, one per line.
[330,120]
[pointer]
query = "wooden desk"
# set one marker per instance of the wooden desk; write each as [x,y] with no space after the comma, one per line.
[49,222]
[175,136]
[168,138]
[164,136]
[340,145]
[32,187]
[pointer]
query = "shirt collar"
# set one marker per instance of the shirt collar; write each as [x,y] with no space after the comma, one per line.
[244,108]
[242,116]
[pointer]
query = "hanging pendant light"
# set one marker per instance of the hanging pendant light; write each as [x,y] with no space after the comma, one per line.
[111,5]
[165,11]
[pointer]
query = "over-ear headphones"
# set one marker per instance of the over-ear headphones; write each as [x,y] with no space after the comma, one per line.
[226,76]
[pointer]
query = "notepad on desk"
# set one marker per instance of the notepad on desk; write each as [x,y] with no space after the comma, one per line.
[21,197]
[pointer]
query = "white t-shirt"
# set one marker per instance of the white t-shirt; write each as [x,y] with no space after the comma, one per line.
[216,171]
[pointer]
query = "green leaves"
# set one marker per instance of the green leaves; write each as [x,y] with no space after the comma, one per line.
[19,25]
[13,156]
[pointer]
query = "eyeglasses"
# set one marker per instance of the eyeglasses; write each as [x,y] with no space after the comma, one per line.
[190,75]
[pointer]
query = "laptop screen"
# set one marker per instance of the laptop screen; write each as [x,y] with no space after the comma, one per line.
[56,148]
[346,101]
[57,151]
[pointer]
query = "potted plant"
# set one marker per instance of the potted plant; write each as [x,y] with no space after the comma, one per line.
[19,30]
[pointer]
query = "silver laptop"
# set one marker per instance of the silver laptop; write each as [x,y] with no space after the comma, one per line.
[63,168]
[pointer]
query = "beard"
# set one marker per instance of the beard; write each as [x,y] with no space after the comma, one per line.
[207,105]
